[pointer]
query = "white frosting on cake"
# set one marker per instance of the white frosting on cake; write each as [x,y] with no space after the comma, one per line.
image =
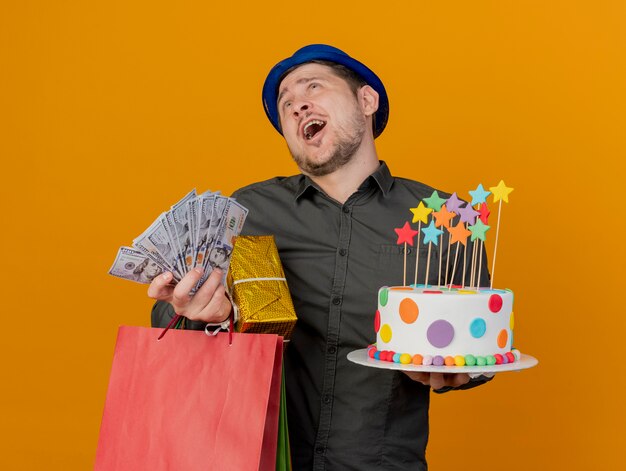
[445,322]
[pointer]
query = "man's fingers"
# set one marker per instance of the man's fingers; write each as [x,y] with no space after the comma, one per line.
[420,377]
[180,297]
[160,288]
[437,380]
[218,308]
[460,379]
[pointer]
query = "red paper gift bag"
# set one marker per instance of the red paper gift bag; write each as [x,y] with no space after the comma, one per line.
[191,402]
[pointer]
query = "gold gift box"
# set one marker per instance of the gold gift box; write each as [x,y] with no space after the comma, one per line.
[258,287]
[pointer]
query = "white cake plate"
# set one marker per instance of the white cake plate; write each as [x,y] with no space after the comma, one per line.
[360,357]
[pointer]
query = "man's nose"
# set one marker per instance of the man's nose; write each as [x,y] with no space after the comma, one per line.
[300,108]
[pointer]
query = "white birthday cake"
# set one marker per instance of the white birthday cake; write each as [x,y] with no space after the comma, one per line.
[444,326]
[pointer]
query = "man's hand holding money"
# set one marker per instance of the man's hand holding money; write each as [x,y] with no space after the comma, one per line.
[184,255]
[208,304]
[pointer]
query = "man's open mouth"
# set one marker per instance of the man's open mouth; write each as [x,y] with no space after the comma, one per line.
[312,128]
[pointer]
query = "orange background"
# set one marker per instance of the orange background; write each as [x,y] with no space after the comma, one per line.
[111,111]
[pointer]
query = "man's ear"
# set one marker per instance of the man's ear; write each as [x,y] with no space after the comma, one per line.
[368,99]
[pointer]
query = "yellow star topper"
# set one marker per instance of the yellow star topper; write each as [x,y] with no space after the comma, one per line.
[421,213]
[500,192]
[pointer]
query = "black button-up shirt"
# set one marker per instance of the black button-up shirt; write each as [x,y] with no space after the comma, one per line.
[344,416]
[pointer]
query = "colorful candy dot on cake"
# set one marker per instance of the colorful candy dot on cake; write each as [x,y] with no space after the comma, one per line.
[498,358]
[495,303]
[383,296]
[385,333]
[371,352]
[377,321]
[428,360]
[516,354]
[470,360]
[438,360]
[481,361]
[417,359]
[459,360]
[377,355]
[440,333]
[478,327]
[428,291]
[449,360]
[510,357]
[491,360]
[408,310]
[405,358]
[396,358]
[505,359]
[466,291]
[503,336]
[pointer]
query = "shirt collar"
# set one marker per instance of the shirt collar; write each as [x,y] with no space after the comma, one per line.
[381,177]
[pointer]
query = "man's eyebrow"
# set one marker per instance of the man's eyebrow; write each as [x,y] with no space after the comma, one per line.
[299,81]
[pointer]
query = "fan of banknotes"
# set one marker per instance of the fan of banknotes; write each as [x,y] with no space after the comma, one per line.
[199,230]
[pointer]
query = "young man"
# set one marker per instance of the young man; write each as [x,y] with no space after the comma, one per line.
[333,226]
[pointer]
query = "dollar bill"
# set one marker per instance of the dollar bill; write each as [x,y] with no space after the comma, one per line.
[178,229]
[145,245]
[213,224]
[229,228]
[134,265]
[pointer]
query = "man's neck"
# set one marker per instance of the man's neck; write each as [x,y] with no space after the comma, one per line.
[343,182]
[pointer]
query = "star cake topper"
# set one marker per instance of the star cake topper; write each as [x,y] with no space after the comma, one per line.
[434,201]
[405,234]
[479,195]
[431,233]
[420,213]
[501,192]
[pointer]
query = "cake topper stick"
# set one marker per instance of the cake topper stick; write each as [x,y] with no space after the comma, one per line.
[458,235]
[480,264]
[430,237]
[404,270]
[456,258]
[478,232]
[453,204]
[440,255]
[417,251]
[405,235]
[420,215]
[427,265]
[464,264]
[500,192]
[448,260]
[442,219]
[473,269]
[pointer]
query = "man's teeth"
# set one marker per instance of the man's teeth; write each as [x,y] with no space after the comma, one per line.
[312,127]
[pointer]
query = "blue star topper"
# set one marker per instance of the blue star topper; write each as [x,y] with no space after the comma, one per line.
[479,195]
[431,233]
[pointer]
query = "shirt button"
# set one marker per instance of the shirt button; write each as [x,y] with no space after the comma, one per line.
[319,450]
[332,349]
[346,209]
[343,252]
[327,399]
[337,301]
